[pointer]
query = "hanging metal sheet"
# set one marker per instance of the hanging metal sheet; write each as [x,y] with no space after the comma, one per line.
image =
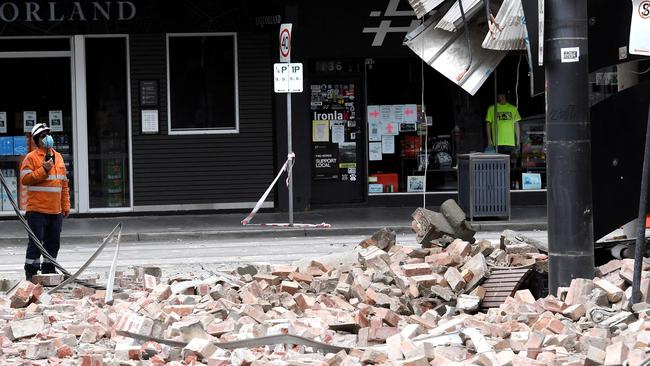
[453,19]
[447,52]
[423,7]
[510,31]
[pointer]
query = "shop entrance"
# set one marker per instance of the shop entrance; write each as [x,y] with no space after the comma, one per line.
[79,87]
[337,140]
[37,88]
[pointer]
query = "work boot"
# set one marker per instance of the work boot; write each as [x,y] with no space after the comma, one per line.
[47,268]
[30,271]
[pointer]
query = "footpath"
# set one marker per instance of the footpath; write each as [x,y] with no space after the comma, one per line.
[343,221]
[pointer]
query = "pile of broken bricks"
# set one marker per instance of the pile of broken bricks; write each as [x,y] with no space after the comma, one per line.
[393,304]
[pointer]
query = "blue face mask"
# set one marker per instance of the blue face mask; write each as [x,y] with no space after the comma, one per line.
[48,142]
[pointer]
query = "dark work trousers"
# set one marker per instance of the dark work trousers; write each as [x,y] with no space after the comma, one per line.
[47,229]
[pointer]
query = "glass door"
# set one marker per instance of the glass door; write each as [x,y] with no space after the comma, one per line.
[107,122]
[36,88]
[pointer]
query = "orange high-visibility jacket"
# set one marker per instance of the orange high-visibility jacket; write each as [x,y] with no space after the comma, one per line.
[47,192]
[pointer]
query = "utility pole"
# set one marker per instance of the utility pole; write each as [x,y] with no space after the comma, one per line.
[569,201]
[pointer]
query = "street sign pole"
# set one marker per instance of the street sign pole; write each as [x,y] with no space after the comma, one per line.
[285,56]
[289,150]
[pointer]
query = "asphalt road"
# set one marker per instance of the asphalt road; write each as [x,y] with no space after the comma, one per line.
[190,256]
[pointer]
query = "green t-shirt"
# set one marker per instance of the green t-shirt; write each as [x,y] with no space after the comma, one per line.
[507,115]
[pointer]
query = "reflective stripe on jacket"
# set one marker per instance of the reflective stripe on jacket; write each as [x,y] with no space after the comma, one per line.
[47,192]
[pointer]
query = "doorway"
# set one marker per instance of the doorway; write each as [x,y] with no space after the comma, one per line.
[79,87]
[36,75]
[338,135]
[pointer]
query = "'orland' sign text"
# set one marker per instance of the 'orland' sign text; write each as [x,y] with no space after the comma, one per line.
[59,11]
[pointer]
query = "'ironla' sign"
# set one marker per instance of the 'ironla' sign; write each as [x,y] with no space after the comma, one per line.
[31,11]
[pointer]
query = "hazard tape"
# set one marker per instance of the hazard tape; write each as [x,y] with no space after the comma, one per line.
[323,225]
[288,166]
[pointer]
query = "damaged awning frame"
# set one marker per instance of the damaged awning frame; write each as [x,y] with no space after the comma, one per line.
[449,54]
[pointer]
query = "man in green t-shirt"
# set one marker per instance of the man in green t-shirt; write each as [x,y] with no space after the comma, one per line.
[507,128]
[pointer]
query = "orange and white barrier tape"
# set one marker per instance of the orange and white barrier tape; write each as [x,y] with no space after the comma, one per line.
[288,166]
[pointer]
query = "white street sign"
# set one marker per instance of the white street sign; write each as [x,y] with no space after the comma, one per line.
[640,28]
[287,77]
[285,42]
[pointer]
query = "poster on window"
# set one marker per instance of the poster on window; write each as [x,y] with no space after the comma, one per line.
[338,131]
[386,113]
[415,183]
[531,181]
[325,161]
[407,127]
[373,114]
[390,128]
[3,122]
[348,161]
[388,144]
[29,121]
[374,151]
[320,131]
[56,121]
[374,131]
[398,113]
[410,113]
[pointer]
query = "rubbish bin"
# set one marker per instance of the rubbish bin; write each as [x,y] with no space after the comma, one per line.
[484,184]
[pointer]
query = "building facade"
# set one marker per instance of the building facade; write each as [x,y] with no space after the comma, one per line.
[167,106]
[155,105]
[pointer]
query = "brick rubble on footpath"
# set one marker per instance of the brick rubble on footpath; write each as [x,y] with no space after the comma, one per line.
[395,305]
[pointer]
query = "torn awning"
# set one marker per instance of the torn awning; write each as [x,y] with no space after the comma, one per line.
[453,19]
[447,52]
[422,7]
[510,30]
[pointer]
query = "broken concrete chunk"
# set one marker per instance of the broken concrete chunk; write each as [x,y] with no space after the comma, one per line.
[25,328]
[52,279]
[40,350]
[479,268]
[454,279]
[383,239]
[467,303]
[457,218]
[614,294]
[579,291]
[517,243]
[429,225]
[22,294]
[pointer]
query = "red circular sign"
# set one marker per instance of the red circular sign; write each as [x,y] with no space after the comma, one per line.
[285,42]
[644,9]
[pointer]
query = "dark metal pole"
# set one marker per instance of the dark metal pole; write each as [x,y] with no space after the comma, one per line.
[495,120]
[640,237]
[569,205]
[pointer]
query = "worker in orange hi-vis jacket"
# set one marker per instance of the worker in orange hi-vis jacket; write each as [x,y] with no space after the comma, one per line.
[44,176]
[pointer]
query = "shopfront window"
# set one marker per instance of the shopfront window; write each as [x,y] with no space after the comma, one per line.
[414,148]
[401,135]
[36,89]
[108,148]
[203,95]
